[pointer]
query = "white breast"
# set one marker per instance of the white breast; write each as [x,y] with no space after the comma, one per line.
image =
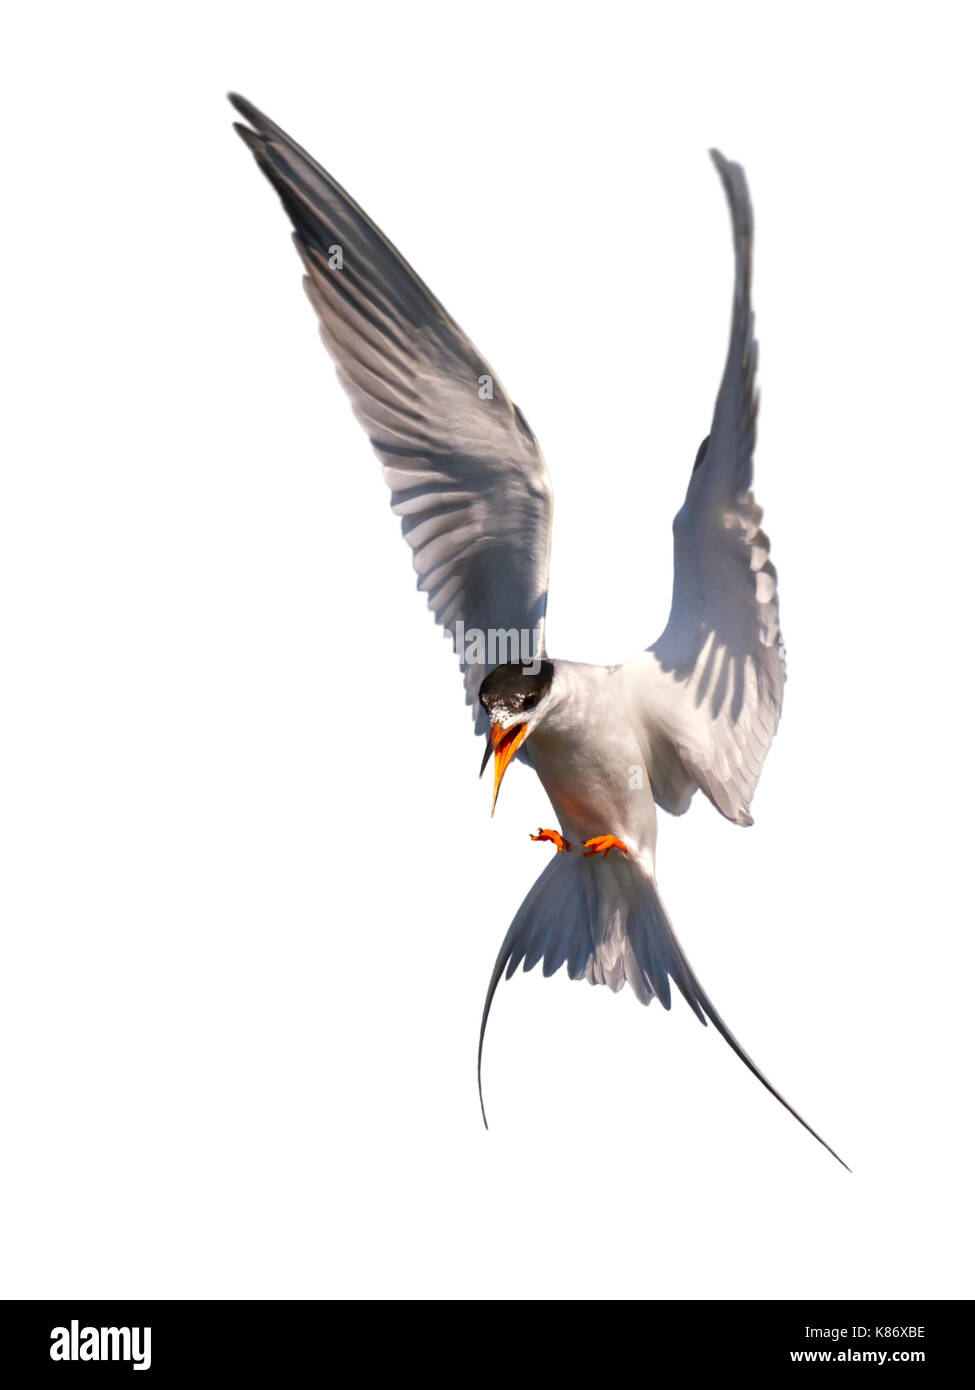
[592,762]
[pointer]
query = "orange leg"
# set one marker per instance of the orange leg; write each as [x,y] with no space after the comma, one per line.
[604,843]
[561,845]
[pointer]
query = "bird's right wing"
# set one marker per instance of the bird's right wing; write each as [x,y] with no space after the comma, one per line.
[709,690]
[465,471]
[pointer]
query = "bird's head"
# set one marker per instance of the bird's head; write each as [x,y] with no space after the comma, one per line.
[514,698]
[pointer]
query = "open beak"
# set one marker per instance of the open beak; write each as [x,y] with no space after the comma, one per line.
[504,745]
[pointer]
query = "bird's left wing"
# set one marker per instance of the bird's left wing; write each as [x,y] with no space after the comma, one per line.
[709,690]
[466,474]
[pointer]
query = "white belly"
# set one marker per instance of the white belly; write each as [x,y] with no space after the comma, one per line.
[590,761]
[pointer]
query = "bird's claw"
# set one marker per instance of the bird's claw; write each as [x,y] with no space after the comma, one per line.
[561,845]
[603,844]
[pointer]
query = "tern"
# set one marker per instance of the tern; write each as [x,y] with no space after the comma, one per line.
[696,711]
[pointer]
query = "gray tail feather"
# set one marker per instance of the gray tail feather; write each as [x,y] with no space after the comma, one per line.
[603,919]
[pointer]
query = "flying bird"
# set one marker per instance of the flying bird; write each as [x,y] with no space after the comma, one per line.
[695,711]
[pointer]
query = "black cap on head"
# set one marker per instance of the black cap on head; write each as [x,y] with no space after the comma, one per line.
[510,689]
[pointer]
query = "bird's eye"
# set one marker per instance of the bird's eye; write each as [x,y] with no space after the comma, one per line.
[530,701]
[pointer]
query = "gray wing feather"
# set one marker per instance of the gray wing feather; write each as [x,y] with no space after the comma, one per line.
[466,474]
[722,647]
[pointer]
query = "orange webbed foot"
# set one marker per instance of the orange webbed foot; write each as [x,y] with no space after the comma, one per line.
[561,845]
[603,844]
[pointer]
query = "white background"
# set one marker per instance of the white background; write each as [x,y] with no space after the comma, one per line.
[250,892]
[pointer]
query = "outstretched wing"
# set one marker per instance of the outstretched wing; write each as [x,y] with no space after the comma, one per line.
[711,685]
[466,474]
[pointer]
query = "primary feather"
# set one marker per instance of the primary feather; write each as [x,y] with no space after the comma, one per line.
[466,474]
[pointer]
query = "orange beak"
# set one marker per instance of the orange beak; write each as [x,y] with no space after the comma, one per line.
[504,744]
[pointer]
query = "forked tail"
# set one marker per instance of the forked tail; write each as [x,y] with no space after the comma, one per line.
[603,919]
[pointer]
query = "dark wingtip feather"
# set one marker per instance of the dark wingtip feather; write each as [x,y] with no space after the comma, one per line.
[247,110]
[250,137]
[727,168]
[264,127]
[735,185]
